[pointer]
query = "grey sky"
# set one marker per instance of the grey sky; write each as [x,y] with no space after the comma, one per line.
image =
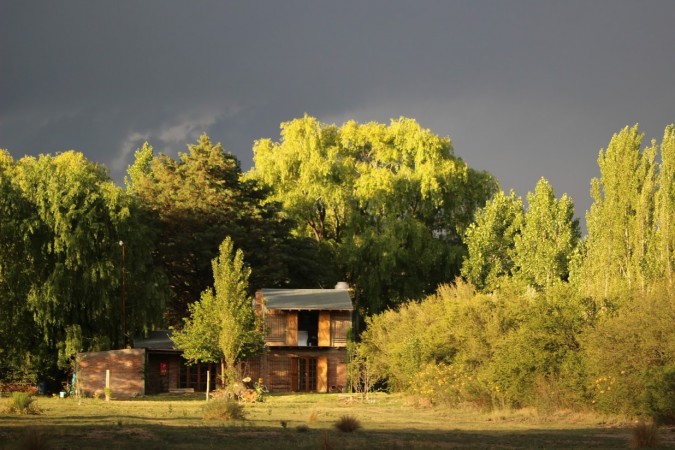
[525,89]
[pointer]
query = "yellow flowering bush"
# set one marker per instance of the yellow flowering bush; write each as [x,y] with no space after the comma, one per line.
[446,384]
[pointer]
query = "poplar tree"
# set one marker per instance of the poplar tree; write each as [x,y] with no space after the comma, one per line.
[620,219]
[222,326]
[665,208]
[490,241]
[548,239]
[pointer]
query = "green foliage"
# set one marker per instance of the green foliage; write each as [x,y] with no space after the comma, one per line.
[630,357]
[61,219]
[504,349]
[548,239]
[222,324]
[490,241]
[664,247]
[23,403]
[229,410]
[390,202]
[198,200]
[620,221]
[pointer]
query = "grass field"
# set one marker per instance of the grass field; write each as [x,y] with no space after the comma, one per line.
[301,422]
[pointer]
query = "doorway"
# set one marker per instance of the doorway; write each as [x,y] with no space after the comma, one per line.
[306,374]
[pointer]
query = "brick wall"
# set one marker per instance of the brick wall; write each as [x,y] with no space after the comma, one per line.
[127,372]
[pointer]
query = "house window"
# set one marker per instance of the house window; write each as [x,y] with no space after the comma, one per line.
[276,327]
[340,323]
[308,328]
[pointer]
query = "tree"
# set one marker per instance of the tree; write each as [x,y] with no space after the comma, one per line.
[195,202]
[491,241]
[63,270]
[21,351]
[390,203]
[665,208]
[222,325]
[620,221]
[548,239]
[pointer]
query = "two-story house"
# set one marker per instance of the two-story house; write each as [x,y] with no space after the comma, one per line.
[306,338]
[306,351]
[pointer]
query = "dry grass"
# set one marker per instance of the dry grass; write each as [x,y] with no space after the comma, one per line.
[224,409]
[645,434]
[178,422]
[348,424]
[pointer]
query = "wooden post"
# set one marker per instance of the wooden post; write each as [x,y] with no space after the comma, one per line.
[107,385]
[208,384]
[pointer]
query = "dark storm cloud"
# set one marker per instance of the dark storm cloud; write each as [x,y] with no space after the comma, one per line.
[524,88]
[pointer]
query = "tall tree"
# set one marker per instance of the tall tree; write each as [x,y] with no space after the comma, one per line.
[21,353]
[665,208]
[620,218]
[548,239]
[222,325]
[491,241]
[194,203]
[390,202]
[67,218]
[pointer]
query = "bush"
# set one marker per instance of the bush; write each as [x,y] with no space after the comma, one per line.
[348,424]
[660,394]
[630,358]
[645,434]
[23,403]
[224,409]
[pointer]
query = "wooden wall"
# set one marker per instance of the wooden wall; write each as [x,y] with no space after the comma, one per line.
[280,373]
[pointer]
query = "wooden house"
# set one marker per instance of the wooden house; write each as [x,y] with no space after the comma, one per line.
[306,339]
[306,342]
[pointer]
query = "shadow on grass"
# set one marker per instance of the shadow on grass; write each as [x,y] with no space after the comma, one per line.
[211,434]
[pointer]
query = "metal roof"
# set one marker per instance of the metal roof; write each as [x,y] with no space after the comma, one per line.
[308,299]
[156,340]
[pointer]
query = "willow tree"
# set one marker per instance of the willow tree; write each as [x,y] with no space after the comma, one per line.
[548,238]
[21,351]
[222,326]
[390,203]
[66,218]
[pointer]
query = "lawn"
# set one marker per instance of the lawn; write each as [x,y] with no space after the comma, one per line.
[301,422]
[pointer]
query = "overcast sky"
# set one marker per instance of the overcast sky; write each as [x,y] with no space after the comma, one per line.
[524,89]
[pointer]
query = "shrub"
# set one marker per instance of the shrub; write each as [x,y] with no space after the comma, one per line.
[302,428]
[645,434]
[348,424]
[630,354]
[23,403]
[224,409]
[660,394]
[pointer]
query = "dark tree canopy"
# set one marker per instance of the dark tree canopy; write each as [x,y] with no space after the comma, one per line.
[195,202]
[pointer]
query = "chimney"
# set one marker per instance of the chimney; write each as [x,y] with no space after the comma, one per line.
[258,303]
